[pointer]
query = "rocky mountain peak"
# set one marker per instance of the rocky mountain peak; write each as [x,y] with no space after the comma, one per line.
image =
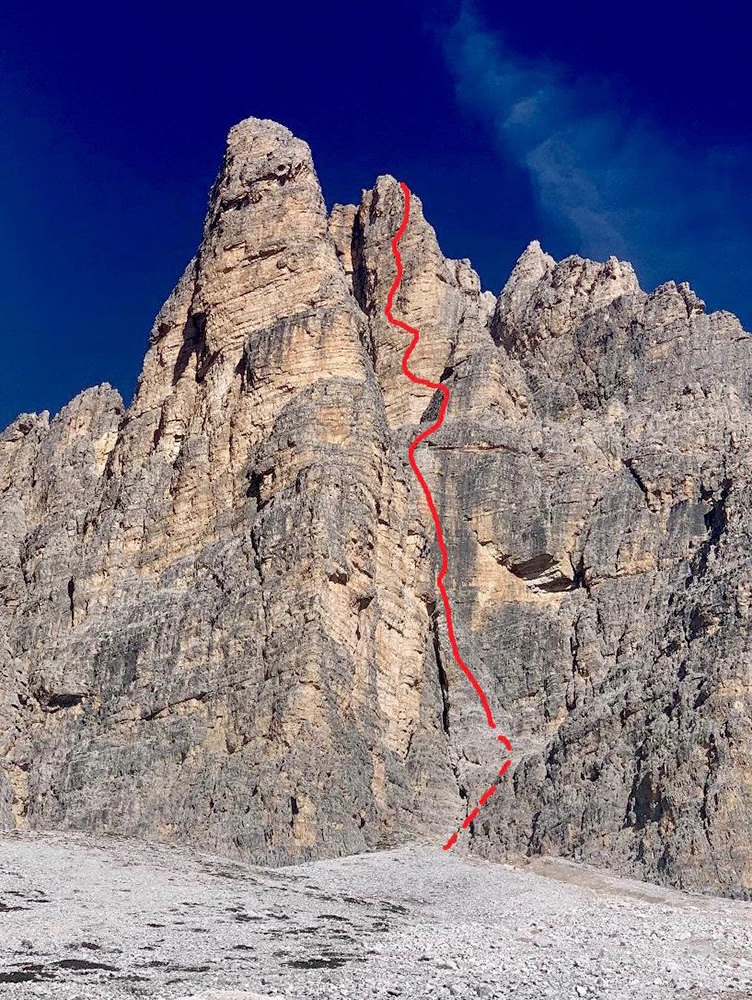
[219,607]
[545,298]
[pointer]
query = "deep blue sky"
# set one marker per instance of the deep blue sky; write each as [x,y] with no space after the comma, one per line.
[594,128]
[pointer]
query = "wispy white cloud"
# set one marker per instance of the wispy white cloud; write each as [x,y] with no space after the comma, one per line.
[612,182]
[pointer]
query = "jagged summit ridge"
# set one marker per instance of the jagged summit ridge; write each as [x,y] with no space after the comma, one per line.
[219,612]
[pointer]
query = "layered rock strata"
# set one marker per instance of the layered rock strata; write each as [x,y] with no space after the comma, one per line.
[218,604]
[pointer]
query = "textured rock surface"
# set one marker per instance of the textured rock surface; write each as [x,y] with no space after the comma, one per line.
[218,605]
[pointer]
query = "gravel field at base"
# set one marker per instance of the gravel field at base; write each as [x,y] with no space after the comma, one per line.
[102,919]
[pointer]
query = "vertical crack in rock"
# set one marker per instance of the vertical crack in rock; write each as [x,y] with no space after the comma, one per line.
[716,523]
[443,681]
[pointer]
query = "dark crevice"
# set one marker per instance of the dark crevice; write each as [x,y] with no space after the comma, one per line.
[716,521]
[361,285]
[360,272]
[629,466]
[443,680]
[71,592]
[159,431]
[67,700]
[558,586]
[256,481]
[432,411]
[532,568]
[148,715]
[204,363]
[193,340]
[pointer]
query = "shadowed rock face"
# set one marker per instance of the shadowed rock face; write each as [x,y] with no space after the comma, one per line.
[219,616]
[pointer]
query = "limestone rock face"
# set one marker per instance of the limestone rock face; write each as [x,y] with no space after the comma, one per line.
[220,620]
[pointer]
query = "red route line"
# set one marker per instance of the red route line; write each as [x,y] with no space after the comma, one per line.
[437,387]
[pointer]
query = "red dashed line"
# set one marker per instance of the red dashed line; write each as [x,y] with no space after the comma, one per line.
[487,794]
[437,387]
[469,818]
